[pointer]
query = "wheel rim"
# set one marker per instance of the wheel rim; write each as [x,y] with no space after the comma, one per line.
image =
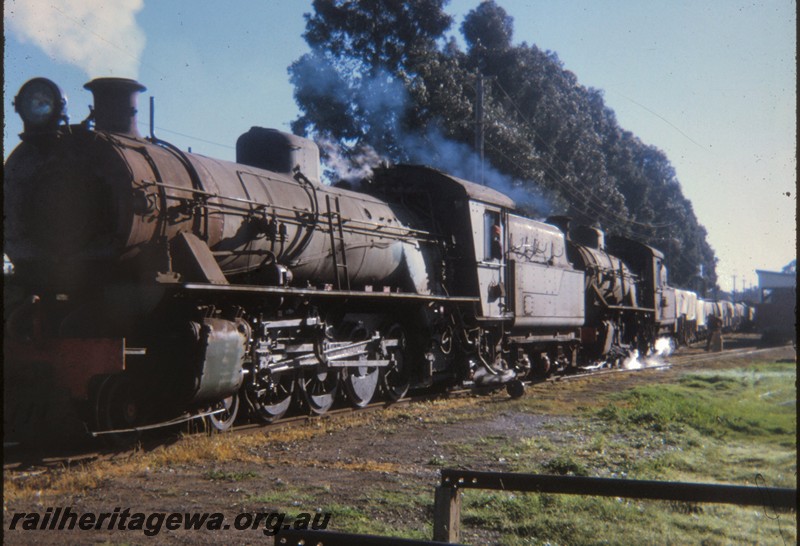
[223,420]
[270,398]
[361,383]
[395,377]
[117,408]
[318,387]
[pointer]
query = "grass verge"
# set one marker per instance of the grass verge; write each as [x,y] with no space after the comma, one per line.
[736,426]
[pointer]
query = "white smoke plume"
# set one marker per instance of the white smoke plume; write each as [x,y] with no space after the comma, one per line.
[460,160]
[101,37]
[348,165]
[381,101]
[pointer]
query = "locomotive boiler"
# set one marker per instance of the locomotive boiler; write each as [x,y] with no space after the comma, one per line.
[105,203]
[153,286]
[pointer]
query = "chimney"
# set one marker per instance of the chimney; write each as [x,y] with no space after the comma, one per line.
[115,104]
[561,222]
[589,236]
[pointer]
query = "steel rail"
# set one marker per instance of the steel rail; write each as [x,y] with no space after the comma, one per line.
[300,419]
[743,495]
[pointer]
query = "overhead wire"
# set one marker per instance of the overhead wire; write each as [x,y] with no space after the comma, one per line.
[562,180]
[600,209]
[198,139]
[593,202]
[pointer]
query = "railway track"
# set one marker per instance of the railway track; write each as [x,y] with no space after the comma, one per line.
[18,458]
[666,362]
[26,463]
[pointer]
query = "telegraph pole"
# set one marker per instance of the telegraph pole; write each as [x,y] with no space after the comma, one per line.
[479,128]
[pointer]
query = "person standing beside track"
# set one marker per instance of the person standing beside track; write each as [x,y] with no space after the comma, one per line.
[714,341]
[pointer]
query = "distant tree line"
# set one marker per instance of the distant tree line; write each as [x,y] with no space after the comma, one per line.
[384,79]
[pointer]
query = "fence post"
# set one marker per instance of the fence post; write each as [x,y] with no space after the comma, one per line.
[447,514]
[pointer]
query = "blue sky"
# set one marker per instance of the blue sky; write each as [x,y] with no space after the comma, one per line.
[712,84]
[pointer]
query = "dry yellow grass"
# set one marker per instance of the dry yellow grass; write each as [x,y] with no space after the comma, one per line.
[190,449]
[246,448]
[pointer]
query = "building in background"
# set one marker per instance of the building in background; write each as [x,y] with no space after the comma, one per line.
[776,312]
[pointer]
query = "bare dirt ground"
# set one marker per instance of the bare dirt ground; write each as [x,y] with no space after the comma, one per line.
[364,467]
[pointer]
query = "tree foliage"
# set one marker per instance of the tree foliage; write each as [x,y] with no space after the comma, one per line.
[385,76]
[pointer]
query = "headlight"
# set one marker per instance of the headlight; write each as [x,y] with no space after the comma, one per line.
[40,104]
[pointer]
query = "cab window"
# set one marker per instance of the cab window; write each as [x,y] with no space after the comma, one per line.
[492,236]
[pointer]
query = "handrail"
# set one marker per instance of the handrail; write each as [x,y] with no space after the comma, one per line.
[447,505]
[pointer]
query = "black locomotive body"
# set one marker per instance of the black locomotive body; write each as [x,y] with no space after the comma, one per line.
[152,285]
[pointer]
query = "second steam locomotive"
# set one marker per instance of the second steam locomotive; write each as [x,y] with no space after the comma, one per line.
[153,285]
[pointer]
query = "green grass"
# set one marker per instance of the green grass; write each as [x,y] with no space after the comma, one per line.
[287,498]
[757,404]
[360,520]
[564,519]
[556,519]
[566,465]
[730,426]
[366,514]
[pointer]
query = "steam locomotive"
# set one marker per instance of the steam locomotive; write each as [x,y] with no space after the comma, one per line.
[152,285]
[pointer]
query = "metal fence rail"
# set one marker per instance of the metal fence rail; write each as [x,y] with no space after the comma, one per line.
[447,506]
[332,538]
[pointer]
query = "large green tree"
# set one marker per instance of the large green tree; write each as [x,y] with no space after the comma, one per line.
[385,77]
[354,85]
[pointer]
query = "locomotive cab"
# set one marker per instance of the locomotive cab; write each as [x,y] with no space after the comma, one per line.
[489,230]
[468,218]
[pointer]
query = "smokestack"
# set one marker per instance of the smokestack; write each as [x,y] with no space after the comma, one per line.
[561,222]
[115,104]
[589,236]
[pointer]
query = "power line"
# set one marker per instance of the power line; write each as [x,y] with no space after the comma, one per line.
[576,194]
[561,180]
[662,118]
[198,139]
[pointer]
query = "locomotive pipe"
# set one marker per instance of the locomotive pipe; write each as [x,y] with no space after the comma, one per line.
[152,119]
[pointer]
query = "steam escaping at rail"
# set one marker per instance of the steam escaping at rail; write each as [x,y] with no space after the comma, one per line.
[663,348]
